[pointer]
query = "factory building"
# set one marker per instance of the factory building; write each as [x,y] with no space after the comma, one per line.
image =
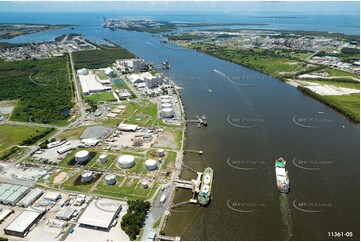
[22,223]
[109,72]
[100,214]
[127,127]
[64,149]
[90,83]
[90,142]
[10,194]
[66,213]
[31,197]
[52,196]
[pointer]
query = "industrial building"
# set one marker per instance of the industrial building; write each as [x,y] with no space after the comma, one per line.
[90,142]
[64,149]
[100,214]
[10,194]
[150,80]
[66,213]
[127,127]
[90,83]
[52,196]
[31,197]
[22,223]
[109,72]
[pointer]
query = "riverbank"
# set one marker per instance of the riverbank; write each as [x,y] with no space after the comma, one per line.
[283,65]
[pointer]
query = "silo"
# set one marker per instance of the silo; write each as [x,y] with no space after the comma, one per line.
[126,161]
[82,156]
[103,158]
[87,176]
[151,164]
[160,152]
[165,100]
[164,97]
[167,112]
[145,184]
[166,105]
[110,179]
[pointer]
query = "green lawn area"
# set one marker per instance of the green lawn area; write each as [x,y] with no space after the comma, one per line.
[169,160]
[102,75]
[131,189]
[72,133]
[11,135]
[334,72]
[138,168]
[99,97]
[69,184]
[350,103]
[99,165]
[42,87]
[338,83]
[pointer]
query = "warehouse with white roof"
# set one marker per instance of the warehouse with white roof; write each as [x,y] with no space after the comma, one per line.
[22,223]
[66,213]
[91,84]
[100,214]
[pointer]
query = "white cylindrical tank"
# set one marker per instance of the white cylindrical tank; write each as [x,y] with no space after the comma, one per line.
[167,112]
[165,100]
[110,179]
[150,164]
[82,155]
[160,152]
[103,158]
[145,185]
[164,97]
[87,176]
[166,105]
[126,161]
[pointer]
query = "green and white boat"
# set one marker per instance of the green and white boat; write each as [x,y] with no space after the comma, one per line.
[206,187]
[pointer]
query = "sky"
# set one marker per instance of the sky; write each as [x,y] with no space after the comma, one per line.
[214,6]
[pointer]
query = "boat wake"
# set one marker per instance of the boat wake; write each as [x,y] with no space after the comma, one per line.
[286,216]
[151,44]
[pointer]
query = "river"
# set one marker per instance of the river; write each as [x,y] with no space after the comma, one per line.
[254,119]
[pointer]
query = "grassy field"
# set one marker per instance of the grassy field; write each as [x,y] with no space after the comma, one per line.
[100,97]
[170,160]
[72,133]
[99,165]
[11,135]
[42,88]
[131,189]
[350,103]
[95,59]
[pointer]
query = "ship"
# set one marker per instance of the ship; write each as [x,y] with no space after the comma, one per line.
[283,182]
[166,64]
[205,191]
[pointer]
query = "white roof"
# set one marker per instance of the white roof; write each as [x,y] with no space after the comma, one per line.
[126,159]
[100,213]
[52,195]
[108,70]
[90,141]
[65,148]
[127,127]
[280,171]
[65,213]
[90,83]
[23,221]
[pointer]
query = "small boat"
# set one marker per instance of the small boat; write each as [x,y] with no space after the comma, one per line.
[283,182]
[166,64]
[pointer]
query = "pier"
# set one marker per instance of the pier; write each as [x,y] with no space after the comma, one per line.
[201,121]
[168,238]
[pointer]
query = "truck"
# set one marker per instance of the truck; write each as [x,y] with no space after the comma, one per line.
[163,198]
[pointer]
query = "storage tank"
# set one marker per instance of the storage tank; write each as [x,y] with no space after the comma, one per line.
[145,184]
[167,112]
[160,152]
[82,155]
[164,97]
[165,100]
[110,179]
[126,161]
[150,164]
[87,176]
[103,158]
[166,105]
